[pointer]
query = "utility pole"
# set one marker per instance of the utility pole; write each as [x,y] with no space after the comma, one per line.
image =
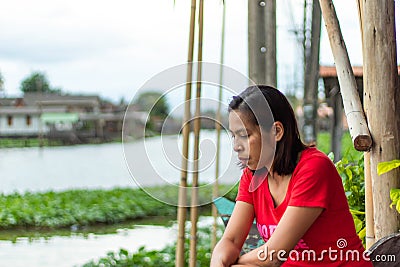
[256,41]
[262,41]
[311,73]
[382,107]
[270,43]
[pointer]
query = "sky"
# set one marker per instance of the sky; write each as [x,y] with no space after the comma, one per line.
[112,48]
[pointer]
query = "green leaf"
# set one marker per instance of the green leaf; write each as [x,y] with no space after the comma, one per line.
[358,224]
[395,194]
[349,173]
[362,233]
[395,197]
[384,167]
[356,212]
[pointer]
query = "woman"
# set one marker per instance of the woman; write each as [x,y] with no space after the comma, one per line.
[293,191]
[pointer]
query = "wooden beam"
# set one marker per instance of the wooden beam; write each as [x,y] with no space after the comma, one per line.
[351,101]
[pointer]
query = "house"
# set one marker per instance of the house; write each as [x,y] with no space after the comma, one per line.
[71,118]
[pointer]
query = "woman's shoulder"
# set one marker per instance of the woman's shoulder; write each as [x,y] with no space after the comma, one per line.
[315,159]
[312,153]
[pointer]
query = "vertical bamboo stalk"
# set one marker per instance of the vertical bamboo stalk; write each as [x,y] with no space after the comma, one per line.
[197,125]
[369,203]
[180,253]
[218,130]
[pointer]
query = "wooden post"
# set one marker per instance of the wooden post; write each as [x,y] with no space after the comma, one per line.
[180,253]
[197,125]
[382,106]
[270,43]
[369,203]
[256,41]
[351,101]
[218,130]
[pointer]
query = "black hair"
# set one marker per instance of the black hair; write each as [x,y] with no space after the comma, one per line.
[265,105]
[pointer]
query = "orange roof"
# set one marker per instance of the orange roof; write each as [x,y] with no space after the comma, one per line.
[330,71]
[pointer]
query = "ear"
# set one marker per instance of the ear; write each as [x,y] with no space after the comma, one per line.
[278,130]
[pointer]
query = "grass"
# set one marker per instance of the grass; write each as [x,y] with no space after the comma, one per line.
[324,144]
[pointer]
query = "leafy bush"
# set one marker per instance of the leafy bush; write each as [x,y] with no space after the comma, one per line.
[352,174]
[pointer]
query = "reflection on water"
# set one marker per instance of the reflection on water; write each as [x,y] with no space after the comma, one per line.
[79,248]
[32,234]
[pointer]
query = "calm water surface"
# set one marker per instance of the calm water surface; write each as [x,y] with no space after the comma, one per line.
[103,166]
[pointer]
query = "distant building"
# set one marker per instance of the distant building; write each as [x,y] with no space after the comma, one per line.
[74,118]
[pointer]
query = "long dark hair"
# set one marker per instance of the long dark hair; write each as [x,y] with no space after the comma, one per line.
[264,105]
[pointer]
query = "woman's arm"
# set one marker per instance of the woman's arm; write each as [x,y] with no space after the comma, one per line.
[292,226]
[227,250]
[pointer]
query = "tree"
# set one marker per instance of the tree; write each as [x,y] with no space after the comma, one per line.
[1,84]
[37,82]
[154,103]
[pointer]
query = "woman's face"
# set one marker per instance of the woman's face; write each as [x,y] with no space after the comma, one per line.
[255,147]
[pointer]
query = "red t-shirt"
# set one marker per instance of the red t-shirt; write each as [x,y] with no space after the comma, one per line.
[331,240]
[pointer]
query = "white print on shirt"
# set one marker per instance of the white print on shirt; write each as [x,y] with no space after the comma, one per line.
[267,230]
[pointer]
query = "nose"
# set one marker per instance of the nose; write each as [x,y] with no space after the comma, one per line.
[237,146]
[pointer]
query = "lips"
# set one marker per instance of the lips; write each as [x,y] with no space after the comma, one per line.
[244,160]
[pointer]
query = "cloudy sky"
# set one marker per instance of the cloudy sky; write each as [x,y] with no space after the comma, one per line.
[112,48]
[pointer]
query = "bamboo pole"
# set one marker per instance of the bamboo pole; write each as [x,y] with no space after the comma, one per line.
[351,101]
[180,253]
[369,203]
[218,129]
[197,125]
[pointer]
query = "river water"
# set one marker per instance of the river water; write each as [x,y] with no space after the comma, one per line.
[153,161]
